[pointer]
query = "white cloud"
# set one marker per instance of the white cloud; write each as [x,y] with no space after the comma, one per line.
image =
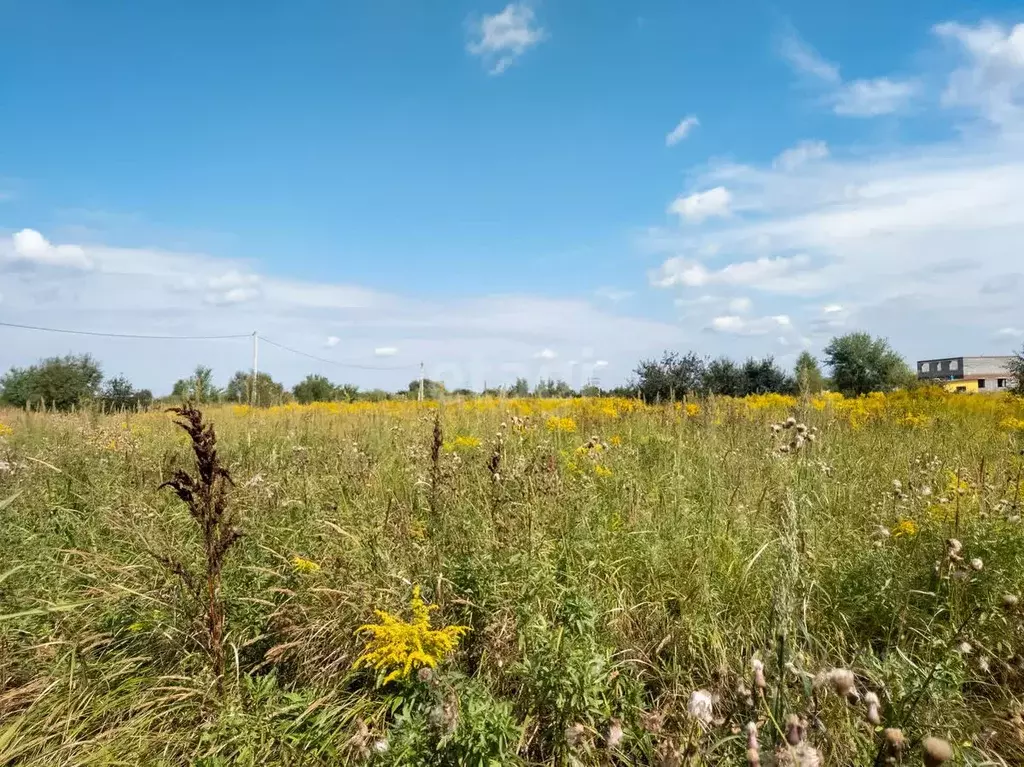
[1009,333]
[505,36]
[332,341]
[600,363]
[701,205]
[682,130]
[871,98]
[465,342]
[29,246]
[735,325]
[761,273]
[992,80]
[832,309]
[385,351]
[232,287]
[615,295]
[740,305]
[806,61]
[545,354]
[801,154]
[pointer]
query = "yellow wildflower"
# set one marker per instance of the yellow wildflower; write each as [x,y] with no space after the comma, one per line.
[557,424]
[1009,423]
[305,566]
[615,440]
[602,471]
[907,527]
[913,420]
[692,409]
[399,646]
[462,442]
[5,430]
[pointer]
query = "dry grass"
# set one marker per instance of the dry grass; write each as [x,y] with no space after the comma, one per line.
[623,571]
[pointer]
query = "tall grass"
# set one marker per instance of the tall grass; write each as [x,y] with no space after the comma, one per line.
[622,571]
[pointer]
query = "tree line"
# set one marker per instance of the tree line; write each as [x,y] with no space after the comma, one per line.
[856,364]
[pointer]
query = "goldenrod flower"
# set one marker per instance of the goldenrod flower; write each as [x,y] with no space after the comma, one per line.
[305,566]
[559,424]
[907,527]
[399,646]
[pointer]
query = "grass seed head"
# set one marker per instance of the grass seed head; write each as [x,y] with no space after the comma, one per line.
[936,751]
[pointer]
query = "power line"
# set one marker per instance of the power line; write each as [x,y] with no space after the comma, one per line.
[334,362]
[123,335]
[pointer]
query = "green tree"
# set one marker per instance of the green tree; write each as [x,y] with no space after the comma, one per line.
[240,389]
[198,387]
[671,377]
[119,394]
[1016,371]
[553,389]
[809,379]
[60,382]
[860,364]
[314,388]
[725,378]
[763,376]
[521,388]
[431,389]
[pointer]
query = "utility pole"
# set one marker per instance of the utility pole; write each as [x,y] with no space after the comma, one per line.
[255,367]
[421,382]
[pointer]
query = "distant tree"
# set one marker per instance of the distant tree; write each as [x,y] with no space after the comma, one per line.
[809,379]
[464,393]
[431,389]
[763,376]
[374,395]
[860,364]
[671,377]
[60,382]
[724,378]
[521,388]
[591,390]
[119,394]
[1016,371]
[346,392]
[314,388]
[553,389]
[268,391]
[198,387]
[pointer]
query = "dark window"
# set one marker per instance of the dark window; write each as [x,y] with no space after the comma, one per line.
[1000,383]
[961,388]
[981,383]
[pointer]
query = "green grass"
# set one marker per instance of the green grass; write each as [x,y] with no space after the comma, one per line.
[596,597]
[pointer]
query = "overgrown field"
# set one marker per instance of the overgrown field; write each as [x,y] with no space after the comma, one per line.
[625,577]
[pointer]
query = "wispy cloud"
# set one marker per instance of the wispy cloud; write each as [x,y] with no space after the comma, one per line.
[546,354]
[805,60]
[385,351]
[857,98]
[701,205]
[502,38]
[871,98]
[736,325]
[682,130]
[801,154]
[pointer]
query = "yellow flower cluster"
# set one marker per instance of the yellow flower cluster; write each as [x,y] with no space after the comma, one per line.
[5,430]
[602,471]
[462,442]
[398,647]
[906,527]
[305,566]
[562,424]
[914,420]
[1009,423]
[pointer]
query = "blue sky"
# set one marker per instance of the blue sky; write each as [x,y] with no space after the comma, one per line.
[555,188]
